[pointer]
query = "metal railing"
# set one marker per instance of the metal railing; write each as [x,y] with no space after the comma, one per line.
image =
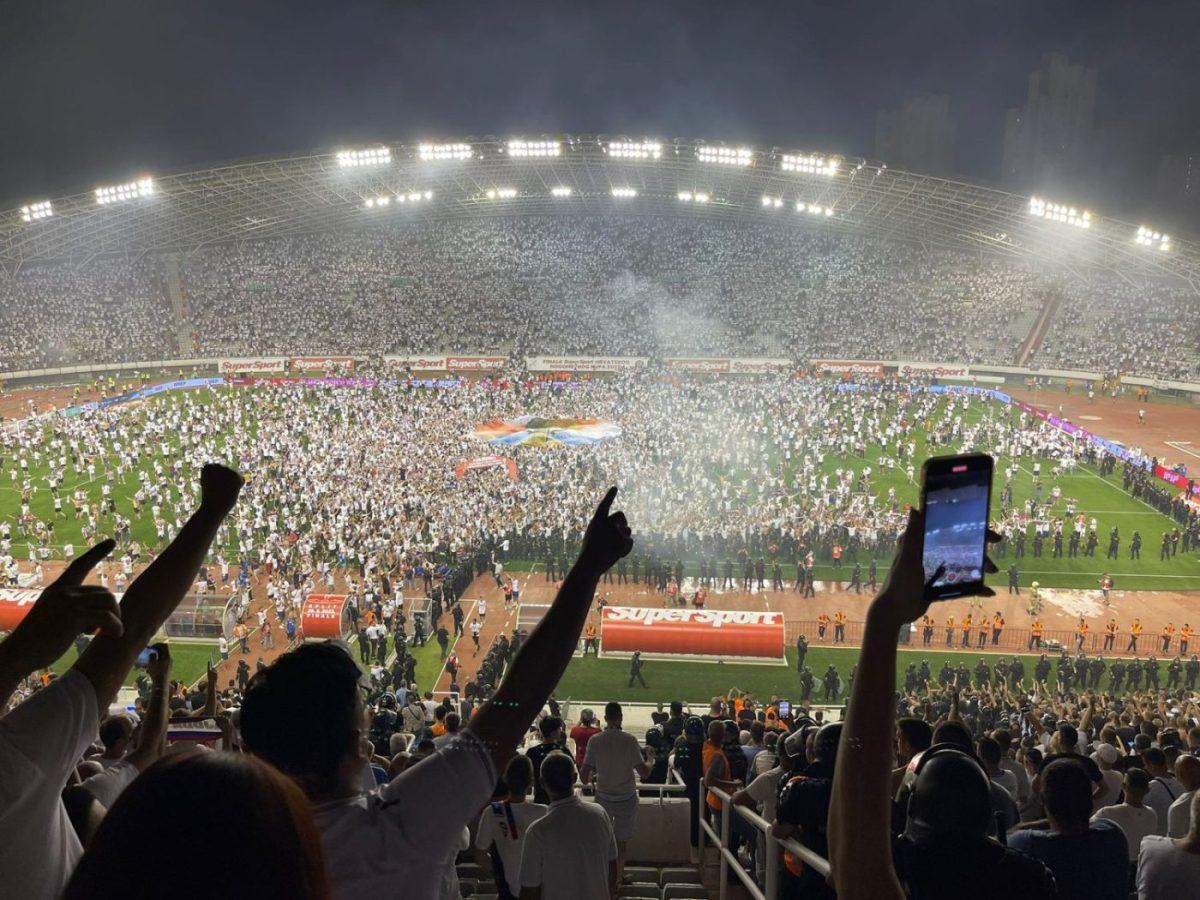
[769,890]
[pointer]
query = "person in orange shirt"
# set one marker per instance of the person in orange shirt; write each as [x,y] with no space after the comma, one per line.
[1081,631]
[1135,631]
[1036,630]
[926,630]
[1185,635]
[822,624]
[589,640]
[997,628]
[837,555]
[1110,634]
[716,765]
[981,629]
[949,631]
[839,627]
[966,630]
[1168,632]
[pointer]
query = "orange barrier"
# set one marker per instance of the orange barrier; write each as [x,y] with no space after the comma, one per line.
[694,632]
[321,616]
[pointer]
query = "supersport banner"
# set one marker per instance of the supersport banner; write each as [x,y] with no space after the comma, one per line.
[321,363]
[487,462]
[436,363]
[849,368]
[258,364]
[932,370]
[693,632]
[321,616]
[15,604]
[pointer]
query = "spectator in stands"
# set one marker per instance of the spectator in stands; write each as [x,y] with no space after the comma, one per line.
[762,793]
[304,714]
[1088,858]
[227,808]
[803,812]
[612,762]
[1187,770]
[1135,819]
[551,729]
[571,851]
[582,733]
[1164,786]
[505,822]
[1169,868]
[42,739]
[689,762]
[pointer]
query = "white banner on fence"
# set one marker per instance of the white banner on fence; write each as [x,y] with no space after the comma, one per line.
[932,370]
[584,363]
[431,363]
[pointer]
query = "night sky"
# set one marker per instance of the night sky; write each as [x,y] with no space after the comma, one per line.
[94,92]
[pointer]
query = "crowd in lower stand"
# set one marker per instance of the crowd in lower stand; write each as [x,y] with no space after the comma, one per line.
[598,286]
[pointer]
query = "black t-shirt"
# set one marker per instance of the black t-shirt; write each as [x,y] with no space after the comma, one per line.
[981,869]
[535,755]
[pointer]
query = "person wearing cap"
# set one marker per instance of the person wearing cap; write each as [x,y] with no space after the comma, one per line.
[1105,756]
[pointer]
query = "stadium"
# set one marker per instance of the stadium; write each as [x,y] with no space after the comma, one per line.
[429,361]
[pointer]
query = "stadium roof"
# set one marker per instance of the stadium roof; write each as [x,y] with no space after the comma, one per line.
[477,178]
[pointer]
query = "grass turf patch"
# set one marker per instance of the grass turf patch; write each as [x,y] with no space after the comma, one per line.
[190,662]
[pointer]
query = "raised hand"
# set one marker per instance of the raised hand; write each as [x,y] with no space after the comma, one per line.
[608,537]
[159,668]
[65,609]
[219,487]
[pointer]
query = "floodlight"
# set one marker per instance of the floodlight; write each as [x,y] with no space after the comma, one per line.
[143,187]
[1058,212]
[35,211]
[686,196]
[501,193]
[624,192]
[1149,238]
[726,156]
[701,198]
[561,191]
[634,149]
[815,164]
[371,156]
[444,151]
[772,202]
[534,148]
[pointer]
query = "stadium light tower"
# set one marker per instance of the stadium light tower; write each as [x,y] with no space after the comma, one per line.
[772,202]
[624,193]
[429,152]
[501,193]
[370,156]
[1058,212]
[35,211]
[815,164]
[725,156]
[560,191]
[1147,237]
[520,148]
[634,149]
[693,197]
[814,209]
[119,193]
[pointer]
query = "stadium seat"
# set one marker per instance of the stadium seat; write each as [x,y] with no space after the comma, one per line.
[640,891]
[641,875]
[684,892]
[679,876]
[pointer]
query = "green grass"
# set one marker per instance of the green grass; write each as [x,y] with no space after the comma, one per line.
[190,662]
[595,679]
[1102,497]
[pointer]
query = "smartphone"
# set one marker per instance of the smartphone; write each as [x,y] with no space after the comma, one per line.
[956,494]
[146,657]
[785,708]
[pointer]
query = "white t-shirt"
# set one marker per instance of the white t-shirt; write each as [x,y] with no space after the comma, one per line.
[506,824]
[40,742]
[1179,815]
[764,790]
[1136,821]
[568,851]
[614,753]
[1020,775]
[1110,790]
[1163,792]
[387,843]
[106,786]
[1165,872]
[1006,780]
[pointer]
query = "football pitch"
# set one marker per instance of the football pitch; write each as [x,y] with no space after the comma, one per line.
[1102,498]
[597,680]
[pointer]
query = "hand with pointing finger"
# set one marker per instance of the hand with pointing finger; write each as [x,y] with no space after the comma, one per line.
[608,537]
[65,609]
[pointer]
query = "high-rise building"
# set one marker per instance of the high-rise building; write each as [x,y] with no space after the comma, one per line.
[919,136]
[1048,142]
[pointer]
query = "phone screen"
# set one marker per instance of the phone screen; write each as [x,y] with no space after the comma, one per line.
[146,657]
[957,493]
[785,708]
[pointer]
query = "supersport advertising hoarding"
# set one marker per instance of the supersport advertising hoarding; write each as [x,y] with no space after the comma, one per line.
[693,632]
